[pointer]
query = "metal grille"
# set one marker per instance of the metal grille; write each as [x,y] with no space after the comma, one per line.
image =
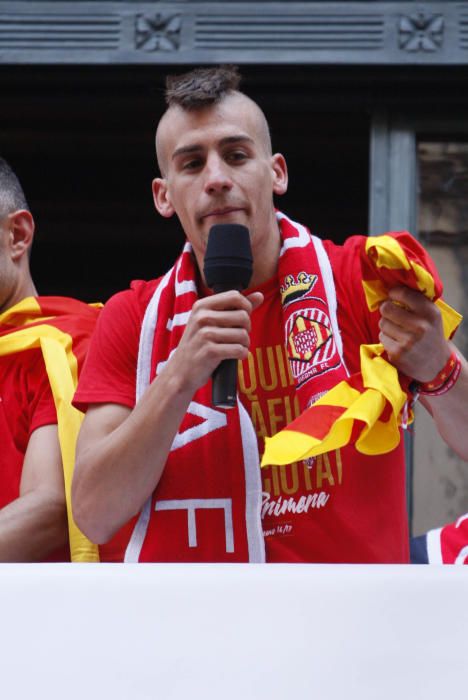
[59,31]
[464,30]
[296,32]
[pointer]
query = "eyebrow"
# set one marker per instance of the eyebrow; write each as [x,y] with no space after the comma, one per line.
[194,148]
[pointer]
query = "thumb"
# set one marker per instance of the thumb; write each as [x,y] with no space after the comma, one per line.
[256,298]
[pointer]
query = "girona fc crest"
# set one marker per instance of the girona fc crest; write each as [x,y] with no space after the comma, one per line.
[307,337]
[295,287]
[310,343]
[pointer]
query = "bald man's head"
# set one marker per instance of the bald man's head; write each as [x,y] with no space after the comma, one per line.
[200,90]
[235,103]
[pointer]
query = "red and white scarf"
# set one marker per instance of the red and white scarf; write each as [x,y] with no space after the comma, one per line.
[207,504]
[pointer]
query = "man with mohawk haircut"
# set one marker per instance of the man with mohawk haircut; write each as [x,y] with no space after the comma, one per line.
[161,474]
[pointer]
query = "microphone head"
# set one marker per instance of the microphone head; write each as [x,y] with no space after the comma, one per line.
[228,260]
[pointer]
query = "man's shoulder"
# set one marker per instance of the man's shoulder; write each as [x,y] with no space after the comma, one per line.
[35,316]
[67,315]
[345,258]
[136,297]
[351,244]
[144,289]
[124,311]
[64,306]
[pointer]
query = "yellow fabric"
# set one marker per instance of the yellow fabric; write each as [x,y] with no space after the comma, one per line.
[375,292]
[376,437]
[387,252]
[451,319]
[62,371]
[25,311]
[425,280]
[379,378]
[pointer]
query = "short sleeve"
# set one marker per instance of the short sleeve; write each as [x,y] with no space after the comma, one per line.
[108,374]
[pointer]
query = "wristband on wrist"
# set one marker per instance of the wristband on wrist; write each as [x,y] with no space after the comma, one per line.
[444,380]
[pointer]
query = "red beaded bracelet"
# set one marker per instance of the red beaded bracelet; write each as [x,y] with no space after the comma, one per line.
[444,380]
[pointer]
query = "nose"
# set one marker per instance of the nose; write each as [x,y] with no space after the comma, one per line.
[218,178]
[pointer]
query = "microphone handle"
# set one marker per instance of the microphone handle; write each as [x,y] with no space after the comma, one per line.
[224,377]
[224,384]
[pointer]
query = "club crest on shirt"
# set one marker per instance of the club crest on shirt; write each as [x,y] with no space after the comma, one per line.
[296,286]
[310,344]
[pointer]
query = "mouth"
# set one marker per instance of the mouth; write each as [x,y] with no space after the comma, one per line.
[225,211]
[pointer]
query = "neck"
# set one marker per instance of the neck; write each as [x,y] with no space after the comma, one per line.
[266,258]
[24,289]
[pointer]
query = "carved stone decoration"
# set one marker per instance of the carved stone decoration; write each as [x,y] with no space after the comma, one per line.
[160,32]
[421,32]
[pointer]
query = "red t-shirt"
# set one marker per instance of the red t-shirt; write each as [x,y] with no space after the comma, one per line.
[342,507]
[26,403]
[451,542]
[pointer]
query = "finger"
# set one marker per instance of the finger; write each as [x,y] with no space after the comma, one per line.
[256,299]
[224,318]
[391,311]
[224,336]
[395,332]
[392,346]
[207,358]
[411,299]
[224,300]
[227,351]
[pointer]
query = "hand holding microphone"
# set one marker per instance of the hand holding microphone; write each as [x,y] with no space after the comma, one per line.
[228,265]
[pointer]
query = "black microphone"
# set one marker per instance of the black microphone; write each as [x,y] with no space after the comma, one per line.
[228,265]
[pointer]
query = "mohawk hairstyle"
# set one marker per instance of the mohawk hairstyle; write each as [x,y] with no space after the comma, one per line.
[201,86]
[11,193]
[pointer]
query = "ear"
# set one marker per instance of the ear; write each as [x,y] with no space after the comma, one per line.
[161,197]
[21,233]
[280,173]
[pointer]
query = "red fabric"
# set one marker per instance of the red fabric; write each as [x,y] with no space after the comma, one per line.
[26,404]
[184,483]
[393,277]
[109,372]
[26,401]
[454,542]
[353,506]
[192,471]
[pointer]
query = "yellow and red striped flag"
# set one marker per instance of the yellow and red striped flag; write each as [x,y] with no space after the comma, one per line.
[367,408]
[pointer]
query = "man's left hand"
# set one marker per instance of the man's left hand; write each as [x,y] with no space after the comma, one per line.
[411,332]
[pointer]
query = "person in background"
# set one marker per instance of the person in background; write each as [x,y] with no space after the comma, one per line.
[43,341]
[444,545]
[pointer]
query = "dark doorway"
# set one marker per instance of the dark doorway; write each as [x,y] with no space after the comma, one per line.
[82,142]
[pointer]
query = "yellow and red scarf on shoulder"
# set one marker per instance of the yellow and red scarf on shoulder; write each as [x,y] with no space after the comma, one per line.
[61,328]
[368,407]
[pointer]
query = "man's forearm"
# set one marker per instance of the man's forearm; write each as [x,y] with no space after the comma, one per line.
[121,454]
[115,474]
[32,527]
[450,413]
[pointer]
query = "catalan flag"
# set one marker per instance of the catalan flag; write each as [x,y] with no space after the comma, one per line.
[367,408]
[61,328]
